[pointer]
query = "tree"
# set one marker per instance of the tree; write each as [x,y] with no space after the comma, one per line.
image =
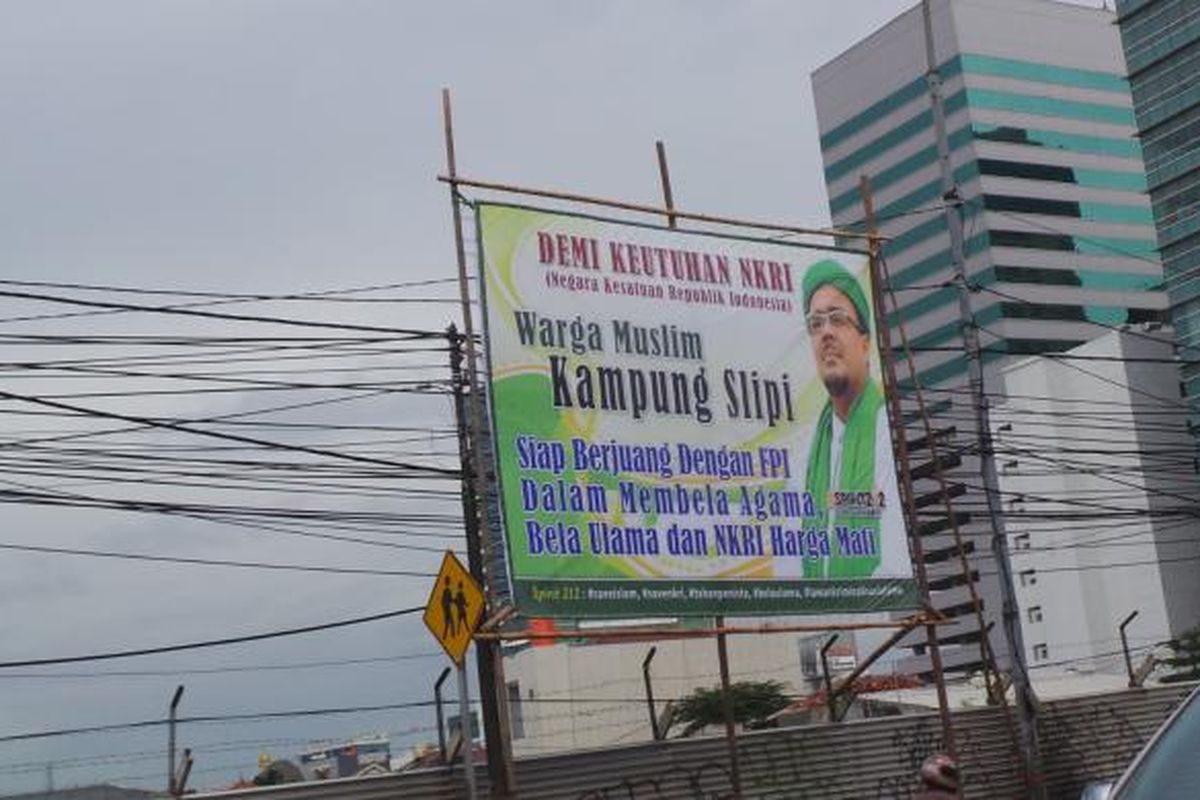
[753,703]
[1185,658]
[268,777]
[273,772]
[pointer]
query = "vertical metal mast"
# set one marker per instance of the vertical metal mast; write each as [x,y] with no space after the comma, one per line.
[490,657]
[970,333]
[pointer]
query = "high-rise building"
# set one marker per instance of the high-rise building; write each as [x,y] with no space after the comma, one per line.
[1070,436]
[1058,232]
[1162,52]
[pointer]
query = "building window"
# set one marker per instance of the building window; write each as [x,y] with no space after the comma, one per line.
[1033,172]
[1161,316]
[1041,652]
[1054,311]
[1021,541]
[1036,346]
[516,720]
[1028,577]
[1005,133]
[1176,199]
[1033,241]
[1046,277]
[1032,205]
[1172,140]
[1034,613]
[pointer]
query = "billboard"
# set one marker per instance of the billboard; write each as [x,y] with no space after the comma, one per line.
[686,424]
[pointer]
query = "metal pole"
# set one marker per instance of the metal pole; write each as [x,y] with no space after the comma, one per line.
[996,689]
[900,441]
[970,333]
[650,693]
[464,730]
[664,176]
[990,668]
[735,771]
[181,784]
[172,789]
[489,657]
[437,704]
[485,650]
[828,679]
[846,684]
[1133,683]
[640,208]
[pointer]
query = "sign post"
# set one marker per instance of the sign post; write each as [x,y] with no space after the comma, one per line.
[464,731]
[452,614]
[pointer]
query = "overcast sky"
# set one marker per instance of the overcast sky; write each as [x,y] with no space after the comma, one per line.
[292,145]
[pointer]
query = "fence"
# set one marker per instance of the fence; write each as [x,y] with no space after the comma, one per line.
[1083,739]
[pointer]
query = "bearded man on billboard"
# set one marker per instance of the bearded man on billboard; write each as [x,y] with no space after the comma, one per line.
[850,453]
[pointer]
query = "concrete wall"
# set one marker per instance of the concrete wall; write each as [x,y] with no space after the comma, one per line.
[1083,739]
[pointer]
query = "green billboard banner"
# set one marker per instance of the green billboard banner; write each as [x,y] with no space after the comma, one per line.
[686,424]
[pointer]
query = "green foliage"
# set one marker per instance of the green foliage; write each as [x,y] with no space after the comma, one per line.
[753,702]
[269,777]
[1184,658]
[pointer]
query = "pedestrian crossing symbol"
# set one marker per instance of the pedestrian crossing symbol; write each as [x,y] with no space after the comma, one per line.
[454,608]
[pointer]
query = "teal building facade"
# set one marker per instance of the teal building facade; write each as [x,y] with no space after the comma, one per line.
[1058,229]
[1161,39]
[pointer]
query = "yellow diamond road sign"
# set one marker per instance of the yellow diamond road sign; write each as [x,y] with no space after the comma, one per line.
[454,608]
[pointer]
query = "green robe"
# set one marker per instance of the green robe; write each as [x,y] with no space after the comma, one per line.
[857,475]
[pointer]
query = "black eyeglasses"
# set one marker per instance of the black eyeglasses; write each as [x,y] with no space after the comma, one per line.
[837,318]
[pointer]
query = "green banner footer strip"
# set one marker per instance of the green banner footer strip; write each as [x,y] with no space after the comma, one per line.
[617,598]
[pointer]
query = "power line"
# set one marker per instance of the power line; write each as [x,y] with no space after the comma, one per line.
[111,728]
[1107,326]
[210,514]
[227,295]
[1023,218]
[230,640]
[284,667]
[1065,355]
[1154,408]
[411,332]
[266,716]
[213,562]
[151,423]
[232,437]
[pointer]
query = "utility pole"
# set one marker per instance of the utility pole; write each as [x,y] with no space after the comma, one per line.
[487,651]
[1026,701]
[492,695]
